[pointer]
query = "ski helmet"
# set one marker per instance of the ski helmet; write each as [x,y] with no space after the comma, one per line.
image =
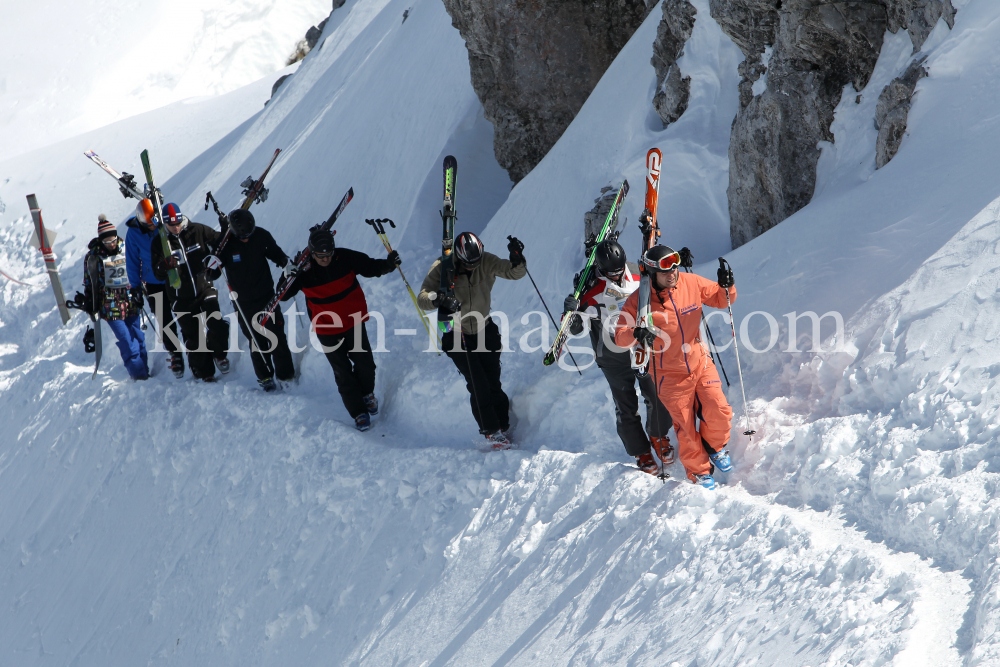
[146,214]
[242,224]
[469,248]
[321,242]
[660,259]
[172,214]
[610,257]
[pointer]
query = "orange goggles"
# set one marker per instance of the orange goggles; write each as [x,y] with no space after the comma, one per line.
[668,263]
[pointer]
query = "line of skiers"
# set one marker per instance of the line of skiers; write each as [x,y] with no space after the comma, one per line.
[682,389]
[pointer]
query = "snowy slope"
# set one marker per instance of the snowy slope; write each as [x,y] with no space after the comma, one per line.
[212,524]
[73,67]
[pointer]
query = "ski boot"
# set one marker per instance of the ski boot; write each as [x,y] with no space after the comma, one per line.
[498,441]
[646,463]
[664,450]
[706,481]
[222,365]
[268,384]
[363,422]
[721,460]
[371,404]
[176,364]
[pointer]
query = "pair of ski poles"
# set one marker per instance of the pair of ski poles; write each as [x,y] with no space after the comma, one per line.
[379,227]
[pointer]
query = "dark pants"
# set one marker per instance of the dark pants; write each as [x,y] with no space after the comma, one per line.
[216,340]
[621,378]
[481,370]
[164,313]
[353,366]
[269,359]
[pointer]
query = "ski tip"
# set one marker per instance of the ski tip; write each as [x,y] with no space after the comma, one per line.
[450,162]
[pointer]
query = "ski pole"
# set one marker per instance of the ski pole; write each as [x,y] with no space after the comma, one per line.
[716,357]
[724,267]
[246,322]
[546,306]
[379,228]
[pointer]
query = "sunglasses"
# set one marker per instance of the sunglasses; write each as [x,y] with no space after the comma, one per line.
[668,263]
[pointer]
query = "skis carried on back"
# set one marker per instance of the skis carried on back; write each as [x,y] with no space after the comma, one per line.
[650,229]
[253,191]
[129,188]
[302,259]
[173,277]
[448,215]
[609,224]
[45,246]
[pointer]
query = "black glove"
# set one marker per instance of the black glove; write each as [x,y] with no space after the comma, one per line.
[726,278]
[167,263]
[393,257]
[137,297]
[88,340]
[686,260]
[448,304]
[644,336]
[570,304]
[515,248]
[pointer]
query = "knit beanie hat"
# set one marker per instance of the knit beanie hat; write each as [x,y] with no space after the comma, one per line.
[104,228]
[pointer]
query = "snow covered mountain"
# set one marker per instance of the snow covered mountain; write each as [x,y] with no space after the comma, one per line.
[174,522]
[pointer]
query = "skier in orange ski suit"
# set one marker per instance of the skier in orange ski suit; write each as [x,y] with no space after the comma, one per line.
[687,381]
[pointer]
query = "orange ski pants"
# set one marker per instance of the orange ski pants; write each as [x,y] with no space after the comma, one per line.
[697,395]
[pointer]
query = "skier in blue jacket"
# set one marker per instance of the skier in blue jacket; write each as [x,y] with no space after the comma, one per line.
[143,231]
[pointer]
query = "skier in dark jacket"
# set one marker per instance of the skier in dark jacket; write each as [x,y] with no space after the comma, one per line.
[108,294]
[244,257]
[142,231]
[338,310]
[191,243]
[600,305]
[478,355]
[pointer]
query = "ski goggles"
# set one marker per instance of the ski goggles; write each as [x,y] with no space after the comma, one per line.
[322,255]
[667,263]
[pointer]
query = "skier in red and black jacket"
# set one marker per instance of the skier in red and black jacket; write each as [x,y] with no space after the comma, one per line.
[338,310]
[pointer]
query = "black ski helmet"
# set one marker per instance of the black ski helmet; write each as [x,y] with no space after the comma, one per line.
[242,223]
[321,241]
[610,257]
[469,248]
[660,259]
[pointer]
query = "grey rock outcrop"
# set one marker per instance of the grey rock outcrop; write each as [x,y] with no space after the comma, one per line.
[672,90]
[817,47]
[535,62]
[594,219]
[892,110]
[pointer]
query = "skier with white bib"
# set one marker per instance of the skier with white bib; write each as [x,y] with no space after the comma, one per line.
[600,305]
[108,294]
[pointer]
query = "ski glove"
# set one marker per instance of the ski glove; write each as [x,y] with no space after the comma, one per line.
[726,278]
[644,336]
[686,260]
[291,270]
[570,304]
[447,303]
[137,297]
[213,263]
[394,258]
[516,248]
[167,263]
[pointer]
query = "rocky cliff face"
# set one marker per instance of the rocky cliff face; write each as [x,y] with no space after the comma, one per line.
[815,48]
[672,88]
[535,62]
